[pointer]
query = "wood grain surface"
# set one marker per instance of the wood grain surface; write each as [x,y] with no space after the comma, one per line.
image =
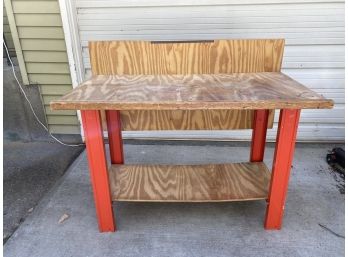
[219,56]
[189,183]
[189,120]
[265,90]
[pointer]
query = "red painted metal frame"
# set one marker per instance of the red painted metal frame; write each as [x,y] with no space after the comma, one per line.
[283,154]
[115,136]
[258,140]
[93,132]
[285,145]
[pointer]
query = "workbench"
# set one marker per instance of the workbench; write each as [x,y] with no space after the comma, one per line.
[138,91]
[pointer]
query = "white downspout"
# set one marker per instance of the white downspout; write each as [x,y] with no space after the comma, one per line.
[73,47]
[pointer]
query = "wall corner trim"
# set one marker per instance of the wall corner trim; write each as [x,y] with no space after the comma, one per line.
[16,42]
[73,48]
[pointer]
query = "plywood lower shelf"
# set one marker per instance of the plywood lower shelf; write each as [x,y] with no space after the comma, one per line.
[189,183]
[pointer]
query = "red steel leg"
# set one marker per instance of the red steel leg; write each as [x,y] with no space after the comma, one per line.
[115,136]
[283,154]
[93,132]
[258,139]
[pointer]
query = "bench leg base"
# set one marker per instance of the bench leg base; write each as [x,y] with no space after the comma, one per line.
[283,154]
[93,132]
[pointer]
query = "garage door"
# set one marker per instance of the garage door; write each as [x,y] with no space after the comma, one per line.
[314,51]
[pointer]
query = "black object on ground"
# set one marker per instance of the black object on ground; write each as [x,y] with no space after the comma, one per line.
[336,156]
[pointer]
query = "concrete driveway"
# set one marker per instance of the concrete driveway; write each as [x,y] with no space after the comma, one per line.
[313,223]
[30,171]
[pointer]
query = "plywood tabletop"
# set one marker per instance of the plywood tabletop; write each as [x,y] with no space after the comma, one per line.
[266,90]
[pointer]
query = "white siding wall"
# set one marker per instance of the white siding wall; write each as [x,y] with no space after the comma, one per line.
[313,30]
